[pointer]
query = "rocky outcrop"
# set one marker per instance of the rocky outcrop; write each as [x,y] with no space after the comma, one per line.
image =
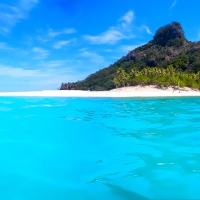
[67,86]
[169,32]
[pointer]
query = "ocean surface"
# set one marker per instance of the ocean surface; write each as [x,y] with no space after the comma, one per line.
[99,148]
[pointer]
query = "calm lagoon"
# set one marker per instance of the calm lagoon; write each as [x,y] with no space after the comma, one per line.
[99,148]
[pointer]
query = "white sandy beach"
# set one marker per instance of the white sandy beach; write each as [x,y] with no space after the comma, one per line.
[136,91]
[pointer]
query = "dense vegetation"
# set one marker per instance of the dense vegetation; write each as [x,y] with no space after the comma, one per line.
[157,76]
[168,49]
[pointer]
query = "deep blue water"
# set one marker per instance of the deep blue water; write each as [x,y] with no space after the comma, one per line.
[99,148]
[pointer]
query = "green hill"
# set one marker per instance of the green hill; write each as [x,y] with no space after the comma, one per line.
[169,47]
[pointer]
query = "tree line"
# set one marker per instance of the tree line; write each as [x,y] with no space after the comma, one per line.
[166,77]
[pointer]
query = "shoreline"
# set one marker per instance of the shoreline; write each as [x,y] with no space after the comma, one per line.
[133,91]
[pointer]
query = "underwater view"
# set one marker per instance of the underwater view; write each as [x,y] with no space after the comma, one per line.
[99,148]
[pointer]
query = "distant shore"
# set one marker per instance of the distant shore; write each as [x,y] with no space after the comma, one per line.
[133,91]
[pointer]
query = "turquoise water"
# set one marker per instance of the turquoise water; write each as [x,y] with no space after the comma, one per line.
[95,148]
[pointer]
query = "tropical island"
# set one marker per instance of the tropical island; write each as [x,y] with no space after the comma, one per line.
[167,66]
[168,60]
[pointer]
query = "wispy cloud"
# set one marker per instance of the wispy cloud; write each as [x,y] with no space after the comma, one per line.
[146,28]
[114,34]
[36,79]
[109,37]
[173,4]
[40,53]
[53,63]
[17,72]
[60,44]
[127,48]
[52,33]
[93,57]
[127,18]
[11,15]
[4,46]
[28,4]
[47,69]
[42,39]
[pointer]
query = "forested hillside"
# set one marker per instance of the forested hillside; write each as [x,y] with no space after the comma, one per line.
[168,50]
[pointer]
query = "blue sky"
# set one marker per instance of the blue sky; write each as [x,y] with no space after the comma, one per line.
[46,42]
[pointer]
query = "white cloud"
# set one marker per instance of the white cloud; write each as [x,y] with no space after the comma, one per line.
[4,30]
[40,38]
[40,53]
[92,56]
[109,37]
[60,44]
[28,4]
[173,4]
[127,18]
[36,79]
[125,29]
[53,63]
[48,69]
[114,34]
[127,48]
[17,72]
[108,50]
[11,15]
[4,46]
[147,29]
[52,33]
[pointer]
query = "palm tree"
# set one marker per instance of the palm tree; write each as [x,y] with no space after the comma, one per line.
[122,76]
[198,75]
[116,82]
[170,71]
[134,72]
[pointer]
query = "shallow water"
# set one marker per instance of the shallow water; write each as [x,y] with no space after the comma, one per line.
[97,148]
